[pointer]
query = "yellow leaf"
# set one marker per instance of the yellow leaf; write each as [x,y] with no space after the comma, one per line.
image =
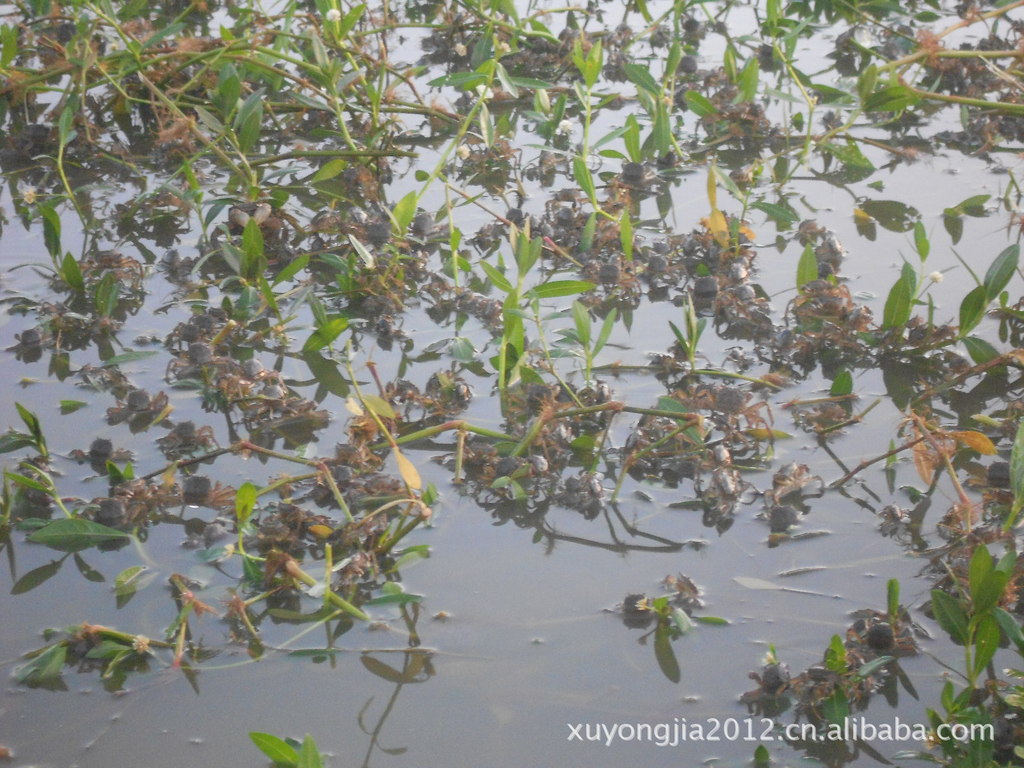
[976,441]
[321,531]
[168,477]
[861,217]
[408,471]
[924,460]
[762,433]
[712,189]
[353,406]
[379,406]
[719,227]
[162,415]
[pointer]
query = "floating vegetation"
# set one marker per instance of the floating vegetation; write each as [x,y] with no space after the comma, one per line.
[306,277]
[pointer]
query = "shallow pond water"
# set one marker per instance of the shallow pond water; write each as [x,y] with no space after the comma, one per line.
[546,543]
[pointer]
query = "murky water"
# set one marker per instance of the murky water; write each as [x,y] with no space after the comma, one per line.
[520,641]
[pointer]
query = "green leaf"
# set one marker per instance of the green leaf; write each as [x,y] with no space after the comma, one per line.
[1017,468]
[1010,627]
[898,305]
[836,708]
[782,215]
[325,334]
[462,349]
[866,670]
[972,206]
[581,318]
[626,234]
[65,131]
[277,749]
[666,403]
[71,273]
[950,615]
[245,502]
[486,126]
[556,288]
[106,295]
[842,384]
[972,309]
[71,534]
[866,82]
[531,82]
[36,576]
[980,350]
[294,267]
[252,242]
[497,278]
[642,78]
[107,649]
[893,215]
[921,243]
[606,330]
[631,138]
[379,406]
[980,567]
[350,20]
[129,357]
[989,591]
[462,80]
[46,667]
[699,104]
[506,81]
[404,212]
[892,598]
[87,570]
[807,267]
[663,652]
[954,226]
[1000,272]
[70,406]
[129,581]
[169,31]
[747,80]
[835,655]
[400,598]
[581,173]
[852,158]
[249,121]
[589,230]
[229,89]
[368,259]
[329,170]
[893,98]
[309,755]
[14,441]
[986,642]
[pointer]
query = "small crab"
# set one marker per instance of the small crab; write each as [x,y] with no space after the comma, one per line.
[199,361]
[276,401]
[139,409]
[125,269]
[185,439]
[101,450]
[30,344]
[730,405]
[197,490]
[448,392]
[794,480]
[873,633]
[772,681]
